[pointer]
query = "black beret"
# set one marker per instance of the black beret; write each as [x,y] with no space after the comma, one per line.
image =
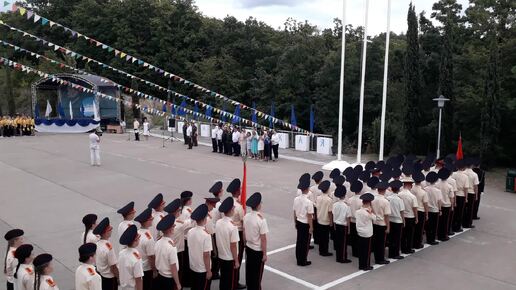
[303,184]
[380,164]
[373,181]
[385,176]
[254,200]
[173,206]
[127,209]
[340,191]
[407,169]
[129,235]
[23,252]
[186,194]
[144,216]
[364,176]
[444,173]
[370,165]
[426,164]
[396,172]
[334,173]
[156,201]
[102,227]
[391,160]
[339,180]
[318,176]
[235,185]
[212,199]
[396,185]
[216,188]
[359,168]
[382,185]
[41,260]
[430,157]
[227,205]
[89,219]
[87,249]
[166,223]
[324,186]
[367,197]
[431,177]
[460,164]
[356,186]
[418,176]
[200,212]
[14,233]
[347,172]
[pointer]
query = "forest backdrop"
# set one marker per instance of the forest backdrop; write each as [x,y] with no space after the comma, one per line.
[469,57]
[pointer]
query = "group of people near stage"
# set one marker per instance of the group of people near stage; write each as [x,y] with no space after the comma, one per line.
[137,129]
[164,247]
[399,204]
[190,134]
[258,144]
[20,125]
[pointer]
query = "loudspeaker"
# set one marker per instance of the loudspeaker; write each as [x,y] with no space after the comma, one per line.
[171,123]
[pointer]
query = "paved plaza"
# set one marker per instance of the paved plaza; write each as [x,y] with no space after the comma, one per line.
[48,186]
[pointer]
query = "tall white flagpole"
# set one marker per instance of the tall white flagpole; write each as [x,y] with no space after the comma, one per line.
[385,74]
[341,94]
[362,84]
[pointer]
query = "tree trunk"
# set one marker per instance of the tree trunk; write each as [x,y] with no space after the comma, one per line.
[11,106]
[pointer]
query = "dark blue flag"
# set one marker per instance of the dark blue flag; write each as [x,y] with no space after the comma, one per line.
[293,120]
[312,118]
[164,108]
[254,117]
[60,110]
[209,110]
[223,115]
[236,117]
[271,124]
[196,111]
[36,111]
[81,109]
[182,111]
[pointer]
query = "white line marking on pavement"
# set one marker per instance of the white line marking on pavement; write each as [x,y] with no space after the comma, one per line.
[290,277]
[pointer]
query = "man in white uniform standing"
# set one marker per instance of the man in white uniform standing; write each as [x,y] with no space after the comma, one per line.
[94,149]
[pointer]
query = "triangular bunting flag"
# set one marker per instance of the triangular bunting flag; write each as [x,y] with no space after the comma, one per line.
[44,21]
[22,11]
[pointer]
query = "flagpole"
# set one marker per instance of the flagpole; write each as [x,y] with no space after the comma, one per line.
[341,93]
[385,74]
[362,85]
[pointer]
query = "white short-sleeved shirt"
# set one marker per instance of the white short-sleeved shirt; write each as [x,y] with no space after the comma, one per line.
[324,205]
[210,224]
[214,132]
[313,193]
[381,207]
[146,247]
[25,280]
[421,196]
[90,237]
[130,267]
[397,207]
[166,255]
[219,134]
[157,216]
[86,278]
[105,258]
[409,202]
[447,192]
[355,203]
[462,181]
[303,207]
[255,225]
[94,141]
[341,212]
[47,283]
[199,242]
[145,128]
[473,180]
[11,262]
[238,217]
[227,233]
[434,198]
[365,219]
[179,233]
[123,226]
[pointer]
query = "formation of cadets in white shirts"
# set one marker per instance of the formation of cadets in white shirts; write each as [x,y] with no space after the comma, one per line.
[164,247]
[396,204]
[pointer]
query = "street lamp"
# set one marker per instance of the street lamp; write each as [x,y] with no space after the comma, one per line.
[440,104]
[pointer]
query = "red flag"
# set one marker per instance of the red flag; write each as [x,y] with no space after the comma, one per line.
[243,194]
[459,154]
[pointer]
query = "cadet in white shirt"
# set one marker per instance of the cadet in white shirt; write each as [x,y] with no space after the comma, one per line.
[312,195]
[89,221]
[189,135]
[24,274]
[355,203]
[157,204]
[365,217]
[128,214]
[105,257]
[217,191]
[178,236]
[238,217]
[410,214]
[396,219]
[14,239]
[472,194]
[146,247]
[214,138]
[166,256]
[86,278]
[199,250]
[94,149]
[130,261]
[434,207]
[381,225]
[324,205]
[461,197]
[448,202]
[43,267]
[303,215]
[341,219]
[256,230]
[213,217]
[422,209]
[227,239]
[185,274]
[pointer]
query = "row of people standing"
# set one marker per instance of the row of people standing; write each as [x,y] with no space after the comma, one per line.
[137,129]
[190,134]
[20,125]
[395,203]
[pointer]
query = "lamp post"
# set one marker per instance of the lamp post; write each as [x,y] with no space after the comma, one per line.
[440,104]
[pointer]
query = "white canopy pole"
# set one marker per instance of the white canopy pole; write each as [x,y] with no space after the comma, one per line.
[385,74]
[362,85]
[341,95]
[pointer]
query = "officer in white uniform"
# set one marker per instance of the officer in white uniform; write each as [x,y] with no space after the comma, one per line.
[86,278]
[146,247]
[227,239]
[214,138]
[166,256]
[199,250]
[24,274]
[94,149]
[105,257]
[42,269]
[128,214]
[130,261]
[14,239]
[219,139]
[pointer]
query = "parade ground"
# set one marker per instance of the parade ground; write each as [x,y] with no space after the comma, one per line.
[48,185]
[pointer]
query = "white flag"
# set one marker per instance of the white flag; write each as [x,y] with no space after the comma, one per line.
[48,110]
[71,111]
[95,112]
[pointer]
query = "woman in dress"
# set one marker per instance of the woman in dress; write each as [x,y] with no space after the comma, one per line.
[254,145]
[249,144]
[267,146]
[261,146]
[146,131]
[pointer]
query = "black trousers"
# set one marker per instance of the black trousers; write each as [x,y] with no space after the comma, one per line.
[459,213]
[467,220]
[418,230]
[190,142]
[236,148]
[229,150]
[240,253]
[136,136]
[340,243]
[431,227]
[379,243]
[395,239]
[407,235]
[147,280]
[185,274]
[477,204]
[215,265]
[10,286]
[324,238]
[444,224]
[214,144]
[275,150]
[315,224]
[199,281]
[109,283]
[164,283]
[221,145]
[302,242]
[253,269]
[364,252]
[353,239]
[228,278]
